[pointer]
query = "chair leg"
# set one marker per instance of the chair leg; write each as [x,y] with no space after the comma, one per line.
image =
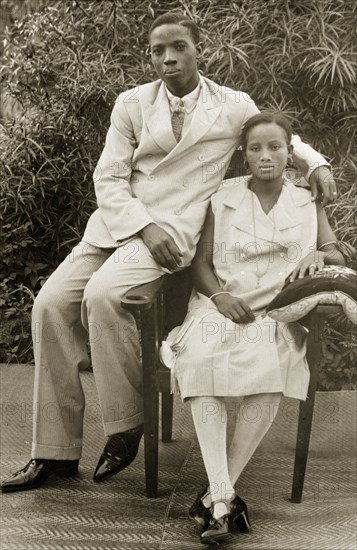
[302,447]
[167,405]
[151,400]
[306,408]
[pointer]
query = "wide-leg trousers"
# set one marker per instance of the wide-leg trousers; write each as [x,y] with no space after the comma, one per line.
[78,310]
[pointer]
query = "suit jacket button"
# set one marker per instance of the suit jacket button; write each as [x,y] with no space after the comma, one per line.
[201,157]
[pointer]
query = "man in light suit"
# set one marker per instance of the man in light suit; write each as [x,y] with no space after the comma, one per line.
[166,152]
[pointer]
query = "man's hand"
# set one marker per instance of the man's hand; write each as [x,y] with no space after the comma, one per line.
[323,185]
[314,261]
[163,248]
[234,308]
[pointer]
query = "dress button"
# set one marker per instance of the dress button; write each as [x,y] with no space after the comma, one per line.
[151,178]
[178,212]
[201,157]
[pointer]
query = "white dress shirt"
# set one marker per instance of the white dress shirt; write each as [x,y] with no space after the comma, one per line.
[189,101]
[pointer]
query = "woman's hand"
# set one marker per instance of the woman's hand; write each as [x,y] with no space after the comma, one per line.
[308,265]
[234,308]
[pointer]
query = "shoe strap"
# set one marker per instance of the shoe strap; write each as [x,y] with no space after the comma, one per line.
[226,501]
[227,505]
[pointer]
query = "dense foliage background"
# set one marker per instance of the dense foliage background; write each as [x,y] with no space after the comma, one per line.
[65,62]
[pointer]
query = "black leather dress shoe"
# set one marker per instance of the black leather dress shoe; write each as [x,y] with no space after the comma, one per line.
[119,451]
[36,472]
[239,514]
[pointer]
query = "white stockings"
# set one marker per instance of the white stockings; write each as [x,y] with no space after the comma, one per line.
[254,417]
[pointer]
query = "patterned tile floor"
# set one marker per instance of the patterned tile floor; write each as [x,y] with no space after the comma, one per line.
[77,514]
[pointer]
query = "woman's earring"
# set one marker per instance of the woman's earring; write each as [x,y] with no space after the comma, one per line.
[246,166]
[290,162]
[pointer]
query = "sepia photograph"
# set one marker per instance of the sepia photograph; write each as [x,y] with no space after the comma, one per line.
[178,274]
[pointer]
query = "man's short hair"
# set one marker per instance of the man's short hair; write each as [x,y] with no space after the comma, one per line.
[177,18]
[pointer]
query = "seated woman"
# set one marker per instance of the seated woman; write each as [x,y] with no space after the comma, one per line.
[259,230]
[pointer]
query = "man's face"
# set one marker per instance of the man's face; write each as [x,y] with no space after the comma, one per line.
[174,56]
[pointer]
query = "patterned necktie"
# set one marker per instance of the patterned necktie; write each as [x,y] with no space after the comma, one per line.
[177,119]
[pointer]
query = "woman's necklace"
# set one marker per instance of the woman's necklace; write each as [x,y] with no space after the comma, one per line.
[260,274]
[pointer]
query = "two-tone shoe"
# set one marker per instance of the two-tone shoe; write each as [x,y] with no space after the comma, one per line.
[36,472]
[198,510]
[119,451]
[217,531]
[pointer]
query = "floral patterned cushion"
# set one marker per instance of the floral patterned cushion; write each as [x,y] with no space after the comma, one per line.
[331,285]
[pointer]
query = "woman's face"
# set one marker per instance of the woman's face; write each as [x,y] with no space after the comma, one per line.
[267,151]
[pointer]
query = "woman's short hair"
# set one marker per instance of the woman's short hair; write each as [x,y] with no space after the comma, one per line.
[177,18]
[266,117]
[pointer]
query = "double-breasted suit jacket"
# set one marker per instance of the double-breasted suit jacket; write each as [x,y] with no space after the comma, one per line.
[144,175]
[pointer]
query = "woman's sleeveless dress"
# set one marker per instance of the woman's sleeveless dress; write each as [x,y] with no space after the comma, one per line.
[222,358]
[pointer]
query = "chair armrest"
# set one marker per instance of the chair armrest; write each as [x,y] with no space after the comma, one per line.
[328,309]
[142,297]
[321,310]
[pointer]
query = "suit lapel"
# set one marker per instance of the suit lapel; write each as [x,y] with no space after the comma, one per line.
[204,116]
[158,120]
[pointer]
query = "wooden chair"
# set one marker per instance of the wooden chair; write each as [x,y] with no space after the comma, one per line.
[161,305]
[315,323]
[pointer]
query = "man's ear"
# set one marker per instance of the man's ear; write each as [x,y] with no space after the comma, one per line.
[199,49]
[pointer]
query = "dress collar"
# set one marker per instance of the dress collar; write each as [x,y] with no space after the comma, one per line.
[287,208]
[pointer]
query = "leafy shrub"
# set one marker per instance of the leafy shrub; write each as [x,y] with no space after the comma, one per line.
[65,65]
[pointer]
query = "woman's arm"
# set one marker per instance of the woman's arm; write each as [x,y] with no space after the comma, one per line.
[326,253]
[206,282]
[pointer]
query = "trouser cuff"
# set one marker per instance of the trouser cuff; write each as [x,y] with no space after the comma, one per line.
[111,428]
[55,453]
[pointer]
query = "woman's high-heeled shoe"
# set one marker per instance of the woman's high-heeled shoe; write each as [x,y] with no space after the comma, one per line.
[198,510]
[239,514]
[218,528]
